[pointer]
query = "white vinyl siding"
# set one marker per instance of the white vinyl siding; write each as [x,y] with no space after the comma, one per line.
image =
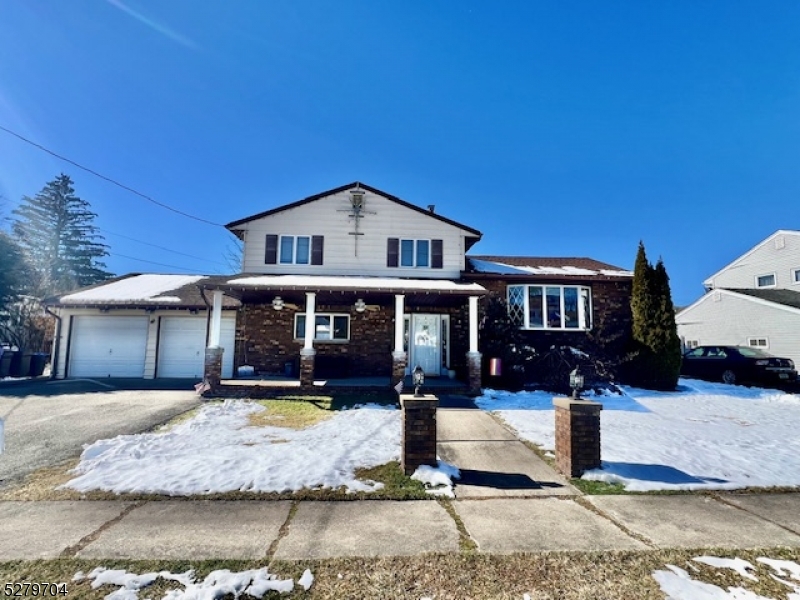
[349,254]
[735,319]
[778,255]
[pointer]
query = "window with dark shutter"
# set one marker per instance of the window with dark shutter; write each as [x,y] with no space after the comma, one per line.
[271,252]
[317,245]
[437,254]
[392,252]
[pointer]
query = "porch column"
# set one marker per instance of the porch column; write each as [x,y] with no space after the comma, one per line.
[473,356]
[398,355]
[307,353]
[212,367]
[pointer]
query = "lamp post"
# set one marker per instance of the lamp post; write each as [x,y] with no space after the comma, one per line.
[576,383]
[418,377]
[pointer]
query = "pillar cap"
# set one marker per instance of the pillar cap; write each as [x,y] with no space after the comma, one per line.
[570,403]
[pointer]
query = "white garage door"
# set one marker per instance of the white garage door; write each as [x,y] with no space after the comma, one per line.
[182,346]
[107,346]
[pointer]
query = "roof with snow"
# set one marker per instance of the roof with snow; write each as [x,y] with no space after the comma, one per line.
[544,266]
[311,283]
[140,290]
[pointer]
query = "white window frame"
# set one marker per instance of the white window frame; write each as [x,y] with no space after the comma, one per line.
[295,241]
[330,316]
[691,344]
[772,285]
[584,323]
[757,339]
[414,253]
[795,279]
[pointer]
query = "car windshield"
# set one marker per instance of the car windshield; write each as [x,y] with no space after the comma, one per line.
[753,352]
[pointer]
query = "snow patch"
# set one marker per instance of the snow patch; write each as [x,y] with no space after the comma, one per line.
[438,480]
[148,288]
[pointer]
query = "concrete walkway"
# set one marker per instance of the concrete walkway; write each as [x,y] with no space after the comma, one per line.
[508,500]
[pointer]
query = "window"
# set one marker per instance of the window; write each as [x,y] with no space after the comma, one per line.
[327,327]
[765,280]
[414,253]
[795,275]
[758,342]
[550,307]
[293,249]
[692,344]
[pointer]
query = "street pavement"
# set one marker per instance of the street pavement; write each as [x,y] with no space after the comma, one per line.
[511,502]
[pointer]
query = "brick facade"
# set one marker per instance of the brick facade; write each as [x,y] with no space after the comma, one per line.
[577,436]
[212,368]
[419,431]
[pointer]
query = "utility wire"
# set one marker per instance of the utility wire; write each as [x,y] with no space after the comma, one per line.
[108,179]
[160,247]
[156,263]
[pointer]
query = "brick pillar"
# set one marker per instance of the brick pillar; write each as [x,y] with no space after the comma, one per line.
[577,436]
[474,368]
[307,368]
[419,431]
[212,368]
[399,363]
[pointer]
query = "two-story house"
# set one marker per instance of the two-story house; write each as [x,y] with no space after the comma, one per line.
[753,301]
[351,282]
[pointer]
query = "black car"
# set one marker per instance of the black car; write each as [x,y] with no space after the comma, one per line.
[737,364]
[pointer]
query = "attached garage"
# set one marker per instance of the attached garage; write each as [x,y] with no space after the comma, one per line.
[182,343]
[108,346]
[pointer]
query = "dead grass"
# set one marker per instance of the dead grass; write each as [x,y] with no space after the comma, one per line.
[293,413]
[548,576]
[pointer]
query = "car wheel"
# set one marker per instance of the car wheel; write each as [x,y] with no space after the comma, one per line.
[729,377]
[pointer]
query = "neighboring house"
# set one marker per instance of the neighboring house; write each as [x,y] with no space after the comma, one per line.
[753,301]
[350,282]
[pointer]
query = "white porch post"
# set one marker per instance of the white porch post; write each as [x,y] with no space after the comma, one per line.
[399,323]
[216,320]
[473,324]
[311,305]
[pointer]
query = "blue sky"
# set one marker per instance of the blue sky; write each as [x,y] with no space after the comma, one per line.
[556,128]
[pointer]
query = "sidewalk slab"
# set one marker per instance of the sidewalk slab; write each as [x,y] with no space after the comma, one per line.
[472,425]
[692,522]
[783,509]
[32,530]
[368,528]
[192,530]
[502,469]
[507,525]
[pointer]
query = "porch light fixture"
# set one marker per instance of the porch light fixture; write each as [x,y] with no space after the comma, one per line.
[277,303]
[418,377]
[360,305]
[576,383]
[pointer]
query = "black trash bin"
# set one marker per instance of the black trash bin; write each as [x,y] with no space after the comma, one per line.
[20,364]
[6,356]
[38,362]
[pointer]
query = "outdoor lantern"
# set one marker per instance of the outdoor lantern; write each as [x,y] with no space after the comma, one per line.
[277,303]
[360,305]
[418,377]
[576,383]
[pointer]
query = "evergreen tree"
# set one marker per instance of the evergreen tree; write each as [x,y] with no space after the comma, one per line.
[13,274]
[656,352]
[56,232]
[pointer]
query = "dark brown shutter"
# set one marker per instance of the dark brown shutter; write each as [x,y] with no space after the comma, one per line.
[393,252]
[437,254]
[271,252]
[317,244]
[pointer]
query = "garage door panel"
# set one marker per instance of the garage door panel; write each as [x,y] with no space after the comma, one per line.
[108,346]
[182,344]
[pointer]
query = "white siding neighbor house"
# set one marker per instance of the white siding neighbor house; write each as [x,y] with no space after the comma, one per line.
[753,301]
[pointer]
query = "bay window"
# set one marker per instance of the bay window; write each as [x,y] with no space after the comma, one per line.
[567,307]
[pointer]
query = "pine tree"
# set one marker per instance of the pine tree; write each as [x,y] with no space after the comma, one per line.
[13,273]
[56,232]
[656,347]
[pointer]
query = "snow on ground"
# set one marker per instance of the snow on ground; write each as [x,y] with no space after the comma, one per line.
[217,451]
[706,435]
[254,583]
[438,480]
[677,584]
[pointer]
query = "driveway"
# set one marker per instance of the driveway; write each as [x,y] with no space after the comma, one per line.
[47,422]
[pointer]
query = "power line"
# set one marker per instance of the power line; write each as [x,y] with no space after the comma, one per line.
[109,179]
[161,247]
[156,263]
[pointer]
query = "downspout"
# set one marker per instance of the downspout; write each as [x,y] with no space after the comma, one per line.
[208,311]
[56,344]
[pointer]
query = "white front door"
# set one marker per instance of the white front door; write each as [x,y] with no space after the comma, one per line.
[426,343]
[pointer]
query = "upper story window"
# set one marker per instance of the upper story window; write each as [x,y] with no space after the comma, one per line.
[765,280]
[414,253]
[294,249]
[795,275]
[550,307]
[327,327]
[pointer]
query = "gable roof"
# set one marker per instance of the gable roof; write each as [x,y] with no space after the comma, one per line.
[783,297]
[548,266]
[708,281]
[233,225]
[787,300]
[137,290]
